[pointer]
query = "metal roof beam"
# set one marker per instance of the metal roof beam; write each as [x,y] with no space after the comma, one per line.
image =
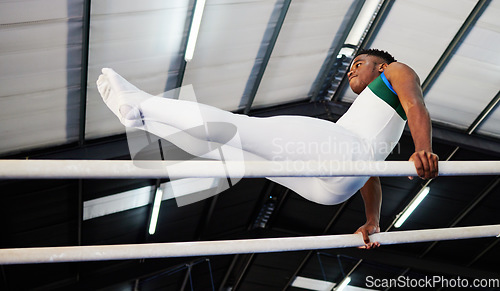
[254,84]
[206,217]
[484,114]
[310,253]
[84,70]
[454,44]
[485,251]
[322,77]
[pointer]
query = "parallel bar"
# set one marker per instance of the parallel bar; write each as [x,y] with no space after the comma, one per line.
[211,248]
[125,169]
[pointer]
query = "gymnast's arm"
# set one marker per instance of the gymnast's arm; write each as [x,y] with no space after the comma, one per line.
[372,197]
[407,86]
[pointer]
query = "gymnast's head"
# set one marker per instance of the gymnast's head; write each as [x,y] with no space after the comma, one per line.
[366,66]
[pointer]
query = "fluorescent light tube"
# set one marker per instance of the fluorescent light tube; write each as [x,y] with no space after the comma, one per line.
[312,284]
[156,210]
[343,284]
[195,27]
[421,195]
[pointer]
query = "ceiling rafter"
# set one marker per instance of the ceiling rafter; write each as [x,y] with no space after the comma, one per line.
[246,259]
[310,253]
[84,70]
[454,44]
[206,216]
[267,56]
[484,114]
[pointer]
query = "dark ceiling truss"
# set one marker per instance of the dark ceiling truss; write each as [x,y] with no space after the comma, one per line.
[471,20]
[270,189]
[206,217]
[84,70]
[330,68]
[484,114]
[484,252]
[229,271]
[79,220]
[246,260]
[140,272]
[310,253]
[255,83]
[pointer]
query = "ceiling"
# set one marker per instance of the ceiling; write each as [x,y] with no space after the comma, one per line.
[255,57]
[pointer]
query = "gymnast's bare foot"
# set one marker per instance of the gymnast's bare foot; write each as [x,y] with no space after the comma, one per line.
[123,98]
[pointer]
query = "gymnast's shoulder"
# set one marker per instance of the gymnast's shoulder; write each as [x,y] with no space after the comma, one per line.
[396,71]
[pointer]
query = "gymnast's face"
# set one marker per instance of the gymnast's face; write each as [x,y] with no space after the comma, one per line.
[364,70]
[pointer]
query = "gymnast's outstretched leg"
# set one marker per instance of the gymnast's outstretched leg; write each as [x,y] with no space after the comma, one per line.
[273,138]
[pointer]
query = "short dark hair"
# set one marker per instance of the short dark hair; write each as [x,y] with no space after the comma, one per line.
[377,53]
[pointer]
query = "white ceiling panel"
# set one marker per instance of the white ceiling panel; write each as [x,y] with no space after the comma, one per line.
[40,56]
[230,37]
[417,32]
[142,41]
[306,37]
[471,79]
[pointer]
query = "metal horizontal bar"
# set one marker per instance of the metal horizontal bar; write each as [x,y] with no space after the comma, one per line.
[225,247]
[111,169]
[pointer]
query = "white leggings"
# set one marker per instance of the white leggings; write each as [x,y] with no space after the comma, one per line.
[272,138]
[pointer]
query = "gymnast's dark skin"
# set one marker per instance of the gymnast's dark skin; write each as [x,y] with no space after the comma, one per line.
[366,67]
